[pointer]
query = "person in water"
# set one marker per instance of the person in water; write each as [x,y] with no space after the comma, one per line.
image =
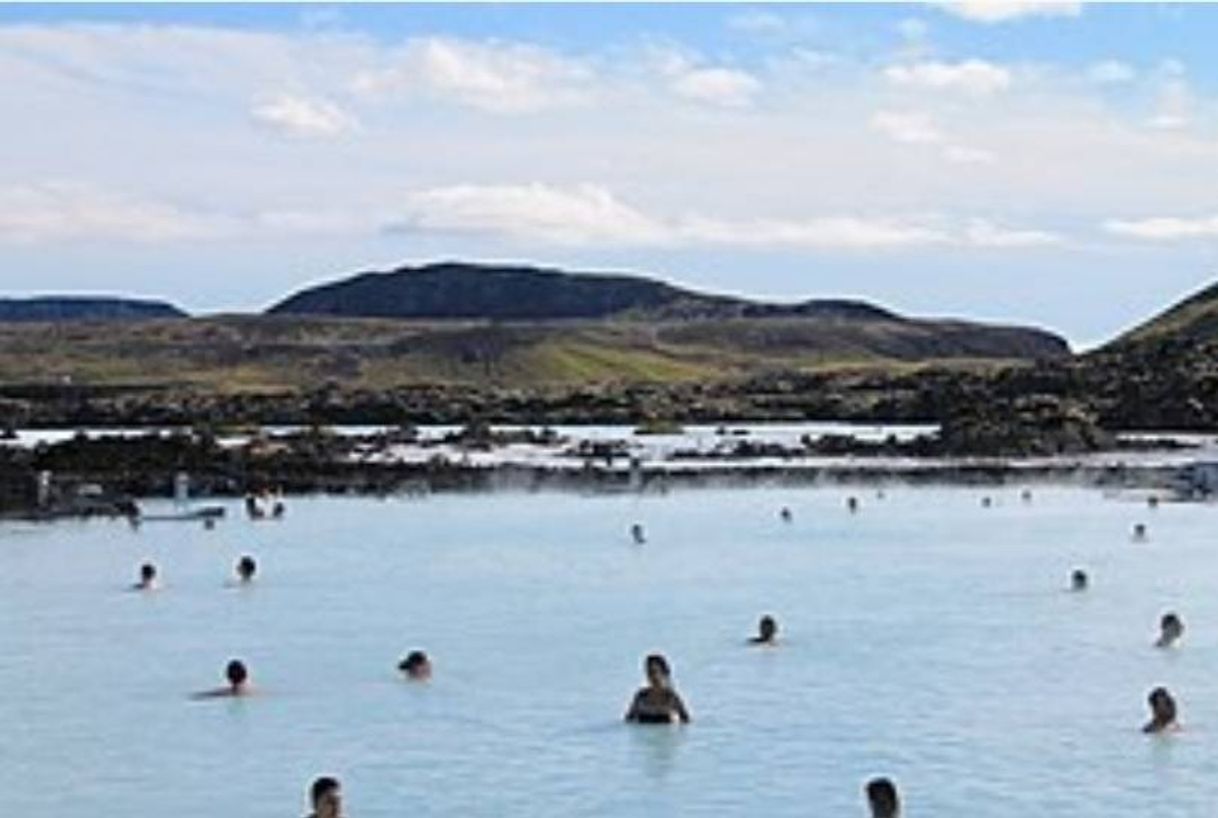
[238,677]
[882,798]
[636,531]
[658,702]
[1078,580]
[1162,712]
[1171,628]
[987,501]
[852,503]
[1139,532]
[147,580]
[767,632]
[785,514]
[416,666]
[252,509]
[325,797]
[246,568]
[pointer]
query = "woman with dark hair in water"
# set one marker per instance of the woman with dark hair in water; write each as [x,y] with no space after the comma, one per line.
[882,798]
[1078,580]
[1171,628]
[238,677]
[246,568]
[325,796]
[416,666]
[147,580]
[658,702]
[767,632]
[1162,712]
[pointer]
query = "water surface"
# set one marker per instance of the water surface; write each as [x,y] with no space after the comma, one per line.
[926,638]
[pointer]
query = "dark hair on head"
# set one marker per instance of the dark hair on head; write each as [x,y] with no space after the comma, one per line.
[1160,697]
[658,660]
[321,786]
[769,621]
[1169,618]
[236,672]
[246,565]
[414,659]
[882,795]
[147,570]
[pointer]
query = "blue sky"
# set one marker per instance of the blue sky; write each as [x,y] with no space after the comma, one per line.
[1051,163]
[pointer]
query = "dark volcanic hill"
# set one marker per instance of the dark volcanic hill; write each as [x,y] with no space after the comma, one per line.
[852,329]
[473,291]
[85,308]
[1192,320]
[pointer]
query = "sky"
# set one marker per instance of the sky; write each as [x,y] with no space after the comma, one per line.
[1051,163]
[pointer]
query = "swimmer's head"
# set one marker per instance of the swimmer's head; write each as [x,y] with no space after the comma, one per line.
[767,629]
[326,797]
[147,574]
[236,673]
[882,797]
[986,502]
[1139,531]
[1162,708]
[1078,579]
[416,665]
[657,669]
[852,503]
[1171,628]
[246,568]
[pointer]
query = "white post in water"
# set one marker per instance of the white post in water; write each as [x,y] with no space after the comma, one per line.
[44,489]
[181,488]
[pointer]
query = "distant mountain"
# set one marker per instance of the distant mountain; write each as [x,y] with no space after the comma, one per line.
[501,293]
[85,308]
[1192,320]
[827,328]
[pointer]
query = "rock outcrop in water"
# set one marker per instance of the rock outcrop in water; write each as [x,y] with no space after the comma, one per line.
[1033,426]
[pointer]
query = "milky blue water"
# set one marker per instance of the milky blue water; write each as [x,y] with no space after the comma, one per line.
[925,638]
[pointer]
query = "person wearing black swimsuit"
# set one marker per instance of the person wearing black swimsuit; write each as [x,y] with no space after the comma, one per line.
[658,702]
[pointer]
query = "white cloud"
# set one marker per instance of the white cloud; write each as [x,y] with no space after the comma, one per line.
[1165,228]
[576,215]
[685,76]
[593,215]
[1001,11]
[727,87]
[1111,72]
[976,77]
[59,211]
[824,233]
[912,128]
[985,233]
[504,78]
[303,116]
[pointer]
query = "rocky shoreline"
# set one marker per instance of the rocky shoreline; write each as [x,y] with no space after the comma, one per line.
[103,474]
